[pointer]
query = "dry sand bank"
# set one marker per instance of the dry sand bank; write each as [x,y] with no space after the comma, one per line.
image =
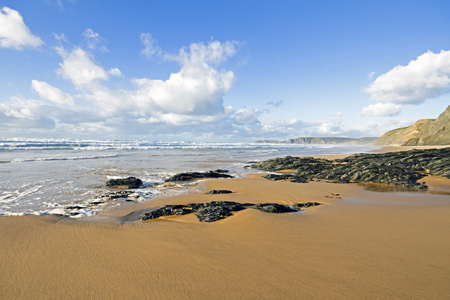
[366,245]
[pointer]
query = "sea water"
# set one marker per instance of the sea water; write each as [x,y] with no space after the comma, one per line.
[44,176]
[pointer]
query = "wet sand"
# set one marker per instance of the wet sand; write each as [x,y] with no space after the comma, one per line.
[358,245]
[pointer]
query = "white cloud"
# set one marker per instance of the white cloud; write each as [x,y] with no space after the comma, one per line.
[150,45]
[382,109]
[115,72]
[94,40]
[247,115]
[190,101]
[330,128]
[426,77]
[212,53]
[13,31]
[51,93]
[78,67]
[196,91]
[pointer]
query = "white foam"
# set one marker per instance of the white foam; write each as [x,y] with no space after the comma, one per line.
[10,197]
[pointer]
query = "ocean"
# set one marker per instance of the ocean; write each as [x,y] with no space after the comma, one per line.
[46,176]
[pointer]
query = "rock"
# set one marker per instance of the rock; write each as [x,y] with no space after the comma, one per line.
[274,208]
[130,182]
[74,207]
[395,168]
[276,177]
[221,171]
[220,192]
[166,210]
[292,178]
[197,175]
[116,195]
[206,212]
[218,210]
[306,205]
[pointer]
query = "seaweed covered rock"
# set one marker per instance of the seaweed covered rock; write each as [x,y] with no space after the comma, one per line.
[288,163]
[197,175]
[394,168]
[289,177]
[206,212]
[166,210]
[274,208]
[305,205]
[214,192]
[129,182]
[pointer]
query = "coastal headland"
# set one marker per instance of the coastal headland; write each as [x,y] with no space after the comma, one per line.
[359,243]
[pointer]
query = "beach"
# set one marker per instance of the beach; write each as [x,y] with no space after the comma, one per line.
[359,244]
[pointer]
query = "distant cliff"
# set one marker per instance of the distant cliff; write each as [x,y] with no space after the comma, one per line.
[422,133]
[323,140]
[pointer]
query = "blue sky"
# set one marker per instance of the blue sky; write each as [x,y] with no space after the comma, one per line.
[220,70]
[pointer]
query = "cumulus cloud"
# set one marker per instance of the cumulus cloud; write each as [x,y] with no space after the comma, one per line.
[51,93]
[21,113]
[382,109]
[193,93]
[247,115]
[426,77]
[78,67]
[13,31]
[184,103]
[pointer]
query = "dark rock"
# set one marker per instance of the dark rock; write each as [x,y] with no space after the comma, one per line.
[218,210]
[118,194]
[197,175]
[74,207]
[274,208]
[220,192]
[166,210]
[213,213]
[221,171]
[206,212]
[306,205]
[276,177]
[292,178]
[130,182]
[394,168]
[95,203]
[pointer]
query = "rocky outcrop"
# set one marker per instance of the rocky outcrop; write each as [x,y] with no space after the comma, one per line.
[422,133]
[130,182]
[197,175]
[206,212]
[218,210]
[395,168]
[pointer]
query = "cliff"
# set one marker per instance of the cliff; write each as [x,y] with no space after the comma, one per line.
[422,133]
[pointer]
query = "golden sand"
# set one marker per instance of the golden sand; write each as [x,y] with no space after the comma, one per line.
[359,245]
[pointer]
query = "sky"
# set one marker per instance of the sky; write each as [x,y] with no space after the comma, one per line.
[203,70]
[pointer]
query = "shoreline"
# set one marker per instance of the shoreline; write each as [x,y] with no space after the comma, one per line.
[359,244]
